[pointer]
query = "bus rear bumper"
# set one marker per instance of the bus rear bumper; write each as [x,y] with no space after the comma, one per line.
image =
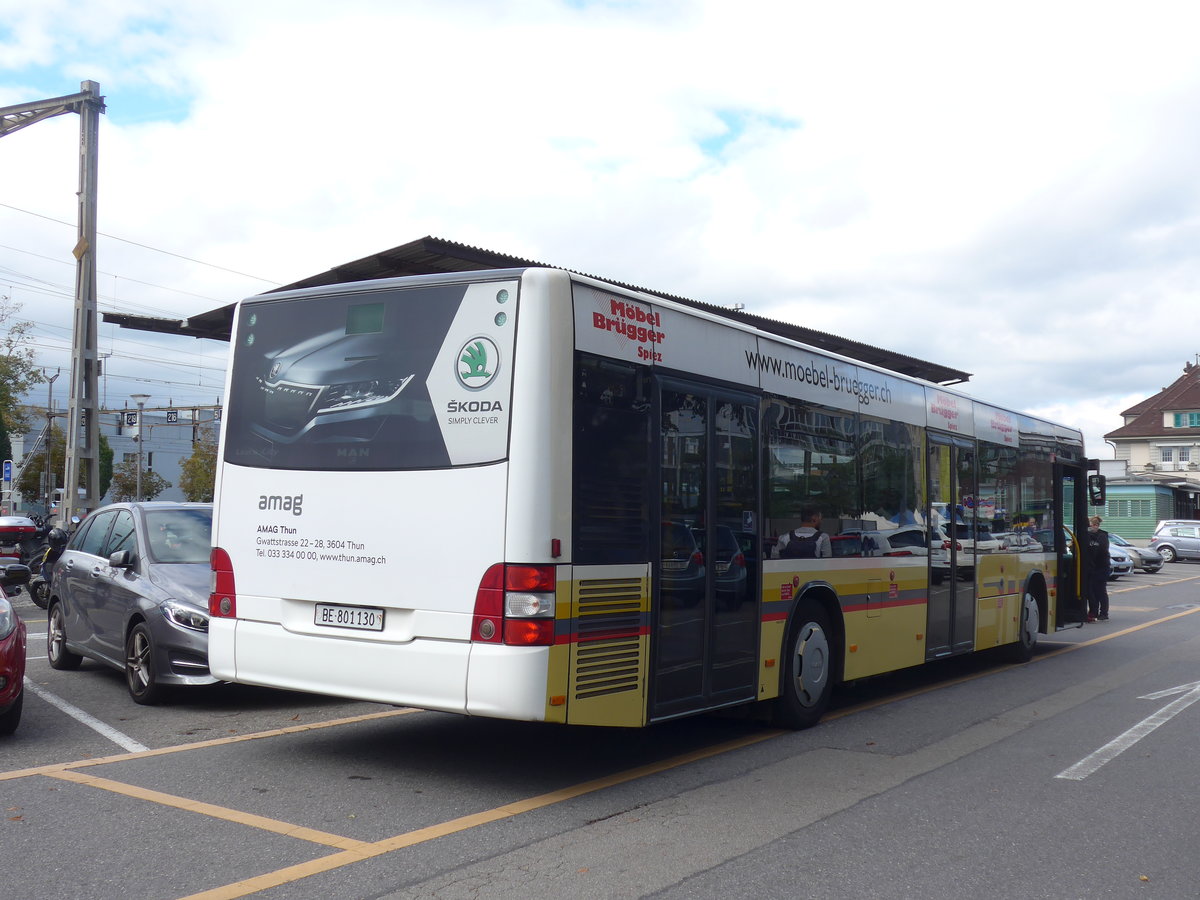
[509,682]
[421,673]
[450,676]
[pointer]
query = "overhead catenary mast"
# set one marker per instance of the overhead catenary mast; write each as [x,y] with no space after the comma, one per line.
[82,479]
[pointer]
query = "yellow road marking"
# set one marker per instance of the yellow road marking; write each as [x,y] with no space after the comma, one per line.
[209,809]
[52,768]
[465,823]
[356,851]
[1061,647]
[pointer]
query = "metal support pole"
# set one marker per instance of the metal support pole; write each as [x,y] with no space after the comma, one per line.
[140,400]
[83,426]
[47,481]
[82,480]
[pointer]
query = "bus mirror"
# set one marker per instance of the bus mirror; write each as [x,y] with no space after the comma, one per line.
[1096,489]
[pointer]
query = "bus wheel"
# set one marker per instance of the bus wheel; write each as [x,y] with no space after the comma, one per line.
[808,669]
[1027,632]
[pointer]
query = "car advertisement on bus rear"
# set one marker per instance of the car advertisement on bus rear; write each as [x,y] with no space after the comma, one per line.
[327,392]
[374,380]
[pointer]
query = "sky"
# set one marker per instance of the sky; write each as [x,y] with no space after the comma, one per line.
[1009,189]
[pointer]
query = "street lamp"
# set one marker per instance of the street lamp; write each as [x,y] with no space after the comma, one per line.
[47,482]
[140,400]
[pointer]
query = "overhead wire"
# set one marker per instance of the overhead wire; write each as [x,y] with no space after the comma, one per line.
[143,246]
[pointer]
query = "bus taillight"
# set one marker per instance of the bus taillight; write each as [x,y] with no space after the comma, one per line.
[222,602]
[515,605]
[487,624]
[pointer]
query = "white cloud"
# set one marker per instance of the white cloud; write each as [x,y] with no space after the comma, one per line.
[1008,190]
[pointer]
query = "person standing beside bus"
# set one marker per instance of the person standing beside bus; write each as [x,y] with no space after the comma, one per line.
[1096,568]
[807,541]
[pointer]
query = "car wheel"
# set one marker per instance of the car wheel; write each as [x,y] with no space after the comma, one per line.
[56,642]
[140,676]
[11,719]
[1167,552]
[808,670]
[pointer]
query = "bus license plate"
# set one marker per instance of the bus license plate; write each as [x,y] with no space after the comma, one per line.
[360,617]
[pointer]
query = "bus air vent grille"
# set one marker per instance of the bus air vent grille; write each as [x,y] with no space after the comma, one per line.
[608,652]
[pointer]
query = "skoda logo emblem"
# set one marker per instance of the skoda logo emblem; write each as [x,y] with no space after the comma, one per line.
[478,363]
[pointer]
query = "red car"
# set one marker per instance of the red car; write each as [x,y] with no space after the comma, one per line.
[12,651]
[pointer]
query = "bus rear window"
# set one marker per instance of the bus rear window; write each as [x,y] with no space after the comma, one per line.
[365,319]
[370,380]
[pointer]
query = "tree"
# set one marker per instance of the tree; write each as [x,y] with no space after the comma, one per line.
[18,373]
[106,465]
[5,443]
[124,482]
[32,482]
[198,473]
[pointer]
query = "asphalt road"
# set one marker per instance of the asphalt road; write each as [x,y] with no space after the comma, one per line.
[1071,776]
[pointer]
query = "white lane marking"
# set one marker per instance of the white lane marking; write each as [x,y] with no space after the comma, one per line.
[121,740]
[1117,746]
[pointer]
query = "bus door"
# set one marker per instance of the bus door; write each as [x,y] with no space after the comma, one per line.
[706,570]
[1070,523]
[952,483]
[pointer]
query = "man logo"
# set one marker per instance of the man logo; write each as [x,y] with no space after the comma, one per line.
[478,363]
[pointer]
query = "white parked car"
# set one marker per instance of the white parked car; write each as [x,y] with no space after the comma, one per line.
[1120,563]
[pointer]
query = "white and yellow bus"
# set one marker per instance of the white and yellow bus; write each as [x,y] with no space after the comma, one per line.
[530,494]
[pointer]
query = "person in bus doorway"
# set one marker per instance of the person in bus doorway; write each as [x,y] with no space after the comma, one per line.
[1096,570]
[807,541]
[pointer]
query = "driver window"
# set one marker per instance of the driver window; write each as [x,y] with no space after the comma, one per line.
[123,536]
[93,541]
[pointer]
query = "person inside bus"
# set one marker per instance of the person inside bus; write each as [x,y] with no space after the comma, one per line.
[1095,572]
[805,542]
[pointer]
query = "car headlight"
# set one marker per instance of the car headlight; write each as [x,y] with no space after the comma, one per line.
[8,618]
[357,394]
[185,616]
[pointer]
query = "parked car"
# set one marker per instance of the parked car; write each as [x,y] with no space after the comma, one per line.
[682,565]
[1119,562]
[979,538]
[912,540]
[1176,539]
[1143,558]
[12,650]
[131,591]
[1018,542]
[843,545]
[729,565]
[968,542]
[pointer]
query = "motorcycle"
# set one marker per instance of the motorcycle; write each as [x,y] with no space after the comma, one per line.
[25,540]
[39,584]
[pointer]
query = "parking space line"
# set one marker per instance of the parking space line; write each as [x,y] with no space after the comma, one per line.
[465,823]
[352,851]
[208,809]
[117,737]
[51,768]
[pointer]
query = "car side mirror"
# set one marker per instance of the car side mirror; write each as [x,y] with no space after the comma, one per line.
[1096,490]
[122,559]
[14,575]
